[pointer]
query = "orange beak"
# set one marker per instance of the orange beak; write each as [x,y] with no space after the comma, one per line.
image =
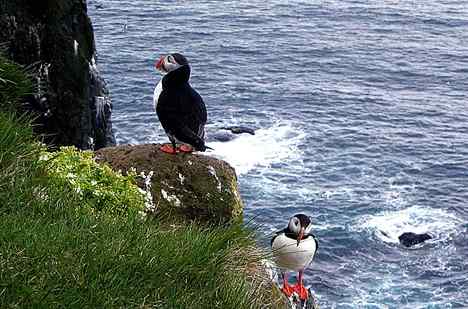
[299,237]
[160,63]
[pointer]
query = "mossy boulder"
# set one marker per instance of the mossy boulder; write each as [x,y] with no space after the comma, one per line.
[183,186]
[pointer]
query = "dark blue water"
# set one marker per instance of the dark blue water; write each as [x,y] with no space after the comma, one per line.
[362,111]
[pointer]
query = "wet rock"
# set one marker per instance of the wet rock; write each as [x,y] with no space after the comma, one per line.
[240,130]
[222,136]
[183,186]
[226,134]
[410,239]
[55,40]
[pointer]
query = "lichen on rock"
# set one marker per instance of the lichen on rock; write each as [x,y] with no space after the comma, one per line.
[183,186]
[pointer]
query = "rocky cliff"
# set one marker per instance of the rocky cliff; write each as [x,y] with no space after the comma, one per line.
[55,39]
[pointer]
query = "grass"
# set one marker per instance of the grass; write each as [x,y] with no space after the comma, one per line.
[67,258]
[58,250]
[14,84]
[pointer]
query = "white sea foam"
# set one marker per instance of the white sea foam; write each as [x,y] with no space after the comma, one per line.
[276,144]
[388,225]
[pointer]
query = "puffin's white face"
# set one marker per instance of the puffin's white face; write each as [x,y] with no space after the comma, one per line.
[294,225]
[166,64]
[300,225]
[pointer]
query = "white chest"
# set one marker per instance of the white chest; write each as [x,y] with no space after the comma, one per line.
[157,93]
[288,255]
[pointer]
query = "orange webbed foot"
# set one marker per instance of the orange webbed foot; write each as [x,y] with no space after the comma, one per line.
[186,148]
[167,148]
[287,290]
[301,290]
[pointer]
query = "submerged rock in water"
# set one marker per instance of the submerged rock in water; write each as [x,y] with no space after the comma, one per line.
[222,136]
[183,186]
[227,134]
[240,130]
[410,239]
[55,38]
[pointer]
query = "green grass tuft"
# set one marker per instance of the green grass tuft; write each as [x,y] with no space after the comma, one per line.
[14,84]
[75,259]
[19,152]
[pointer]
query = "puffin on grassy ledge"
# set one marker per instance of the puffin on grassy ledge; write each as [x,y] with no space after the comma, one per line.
[294,249]
[179,107]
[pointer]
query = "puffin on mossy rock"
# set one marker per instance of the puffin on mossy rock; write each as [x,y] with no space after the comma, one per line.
[179,107]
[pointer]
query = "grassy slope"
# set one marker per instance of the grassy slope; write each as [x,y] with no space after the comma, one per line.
[60,256]
[56,253]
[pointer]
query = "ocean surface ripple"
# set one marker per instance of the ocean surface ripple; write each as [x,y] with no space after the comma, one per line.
[361,116]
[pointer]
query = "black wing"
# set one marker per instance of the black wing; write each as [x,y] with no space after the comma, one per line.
[316,241]
[182,113]
[196,115]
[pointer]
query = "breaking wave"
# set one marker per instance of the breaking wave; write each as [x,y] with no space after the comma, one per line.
[275,144]
[388,225]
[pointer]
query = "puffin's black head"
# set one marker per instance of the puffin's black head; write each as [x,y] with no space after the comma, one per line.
[170,62]
[180,59]
[299,225]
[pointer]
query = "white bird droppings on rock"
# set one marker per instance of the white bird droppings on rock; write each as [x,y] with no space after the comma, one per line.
[75,47]
[213,172]
[171,198]
[149,205]
[181,178]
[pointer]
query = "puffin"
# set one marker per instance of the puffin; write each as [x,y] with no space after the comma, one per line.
[294,249]
[180,109]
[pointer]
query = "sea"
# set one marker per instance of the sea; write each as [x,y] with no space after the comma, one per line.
[360,111]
